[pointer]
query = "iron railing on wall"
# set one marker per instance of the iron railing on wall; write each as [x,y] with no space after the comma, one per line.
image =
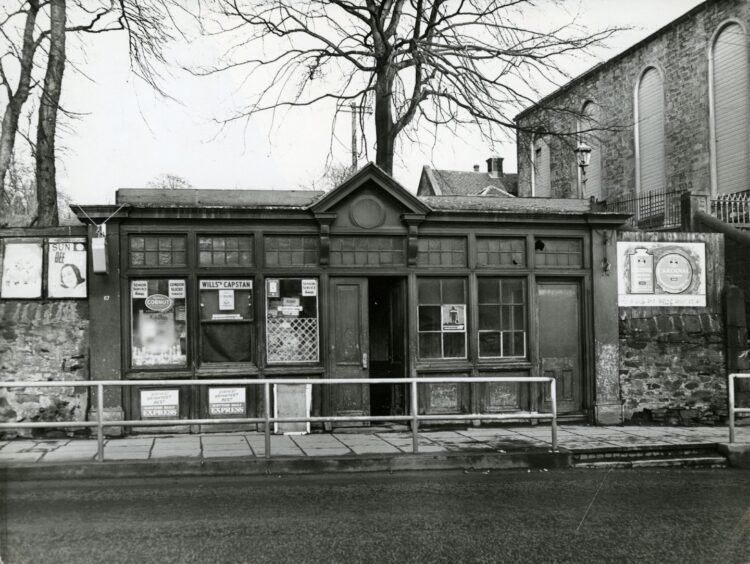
[414,417]
[733,209]
[650,210]
[733,409]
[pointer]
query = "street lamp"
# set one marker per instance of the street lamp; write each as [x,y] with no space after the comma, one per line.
[583,156]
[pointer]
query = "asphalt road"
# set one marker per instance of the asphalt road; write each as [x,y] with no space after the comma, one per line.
[509,516]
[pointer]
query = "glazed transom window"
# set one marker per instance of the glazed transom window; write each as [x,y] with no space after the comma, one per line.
[558,253]
[442,318]
[501,251]
[286,250]
[441,251]
[223,250]
[502,317]
[367,251]
[154,251]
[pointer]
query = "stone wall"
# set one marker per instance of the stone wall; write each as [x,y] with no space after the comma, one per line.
[672,359]
[43,340]
[680,52]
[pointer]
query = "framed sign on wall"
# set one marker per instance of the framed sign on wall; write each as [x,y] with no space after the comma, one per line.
[22,271]
[66,268]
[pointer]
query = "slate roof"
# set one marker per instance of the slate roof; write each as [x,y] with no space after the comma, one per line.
[468,183]
[191,197]
[517,205]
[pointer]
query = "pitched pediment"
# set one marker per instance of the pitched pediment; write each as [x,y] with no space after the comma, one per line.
[371,199]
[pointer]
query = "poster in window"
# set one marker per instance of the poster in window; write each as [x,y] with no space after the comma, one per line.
[226,401]
[454,317]
[66,268]
[159,330]
[661,274]
[22,271]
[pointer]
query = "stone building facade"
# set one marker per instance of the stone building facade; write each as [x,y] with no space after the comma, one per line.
[670,114]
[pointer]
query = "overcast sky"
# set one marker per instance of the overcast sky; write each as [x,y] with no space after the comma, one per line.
[127,135]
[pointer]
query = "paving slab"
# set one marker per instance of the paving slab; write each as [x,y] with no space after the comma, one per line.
[20,456]
[371,444]
[67,454]
[227,453]
[281,445]
[405,444]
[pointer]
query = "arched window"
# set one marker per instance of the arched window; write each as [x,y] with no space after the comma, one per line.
[540,159]
[729,62]
[649,132]
[589,127]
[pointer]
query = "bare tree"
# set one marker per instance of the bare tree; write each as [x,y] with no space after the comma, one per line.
[437,62]
[168,181]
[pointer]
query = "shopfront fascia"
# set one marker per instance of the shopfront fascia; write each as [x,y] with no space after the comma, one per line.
[367,281]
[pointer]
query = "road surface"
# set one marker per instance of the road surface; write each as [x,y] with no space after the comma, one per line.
[503,516]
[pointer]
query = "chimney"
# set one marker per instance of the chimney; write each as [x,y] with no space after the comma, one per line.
[476,168]
[495,167]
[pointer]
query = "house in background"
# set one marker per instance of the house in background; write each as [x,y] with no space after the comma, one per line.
[493,182]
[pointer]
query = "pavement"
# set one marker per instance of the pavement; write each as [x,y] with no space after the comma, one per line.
[350,445]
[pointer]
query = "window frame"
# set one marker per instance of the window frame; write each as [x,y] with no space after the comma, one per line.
[524,281]
[419,304]
[266,339]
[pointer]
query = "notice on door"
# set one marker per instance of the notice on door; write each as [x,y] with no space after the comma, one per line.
[160,404]
[226,401]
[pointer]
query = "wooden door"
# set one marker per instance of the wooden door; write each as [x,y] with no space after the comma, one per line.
[349,345]
[559,315]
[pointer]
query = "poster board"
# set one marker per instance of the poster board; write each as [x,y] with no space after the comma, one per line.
[661,274]
[160,404]
[22,270]
[66,268]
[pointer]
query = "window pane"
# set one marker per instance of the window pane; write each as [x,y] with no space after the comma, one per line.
[454,345]
[512,291]
[291,320]
[489,344]
[225,342]
[489,291]
[429,291]
[158,323]
[489,317]
[453,291]
[429,345]
[429,318]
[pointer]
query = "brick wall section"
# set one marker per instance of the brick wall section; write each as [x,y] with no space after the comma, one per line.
[680,51]
[43,340]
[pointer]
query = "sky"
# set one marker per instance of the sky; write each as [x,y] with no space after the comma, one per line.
[125,134]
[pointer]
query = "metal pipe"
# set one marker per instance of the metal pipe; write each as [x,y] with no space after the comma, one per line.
[414,418]
[267,417]
[731,408]
[99,422]
[553,394]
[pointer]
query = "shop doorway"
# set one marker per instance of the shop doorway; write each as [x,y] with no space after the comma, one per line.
[559,315]
[367,338]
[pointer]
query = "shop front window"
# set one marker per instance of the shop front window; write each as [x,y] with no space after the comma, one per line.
[442,318]
[158,323]
[227,330]
[291,320]
[502,317]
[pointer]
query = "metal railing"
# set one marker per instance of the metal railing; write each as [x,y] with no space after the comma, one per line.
[733,209]
[650,210]
[414,417]
[732,408]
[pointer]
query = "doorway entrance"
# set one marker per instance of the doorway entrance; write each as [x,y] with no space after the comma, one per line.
[367,339]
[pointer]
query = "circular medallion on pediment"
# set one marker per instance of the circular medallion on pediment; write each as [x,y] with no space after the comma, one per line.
[367,213]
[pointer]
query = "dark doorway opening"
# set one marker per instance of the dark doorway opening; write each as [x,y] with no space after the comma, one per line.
[387,328]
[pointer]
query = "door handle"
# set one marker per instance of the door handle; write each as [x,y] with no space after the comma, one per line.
[364,361]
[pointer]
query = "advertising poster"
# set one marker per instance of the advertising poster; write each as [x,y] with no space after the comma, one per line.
[160,404]
[66,268]
[226,401]
[454,317]
[661,274]
[22,271]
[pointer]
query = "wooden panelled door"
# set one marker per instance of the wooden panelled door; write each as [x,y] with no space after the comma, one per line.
[559,315]
[349,345]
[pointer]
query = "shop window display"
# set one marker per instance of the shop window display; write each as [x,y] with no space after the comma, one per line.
[159,329]
[227,330]
[291,320]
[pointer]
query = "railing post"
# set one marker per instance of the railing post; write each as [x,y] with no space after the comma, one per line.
[553,393]
[267,416]
[414,418]
[99,422]
[731,408]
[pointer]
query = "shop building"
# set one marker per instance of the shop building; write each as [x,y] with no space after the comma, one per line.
[367,280]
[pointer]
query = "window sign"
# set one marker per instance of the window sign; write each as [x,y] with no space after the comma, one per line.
[160,404]
[159,324]
[66,268]
[22,270]
[227,329]
[454,317]
[661,274]
[226,401]
[291,320]
[177,289]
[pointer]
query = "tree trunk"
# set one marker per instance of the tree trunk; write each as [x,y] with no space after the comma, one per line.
[384,139]
[19,97]
[46,187]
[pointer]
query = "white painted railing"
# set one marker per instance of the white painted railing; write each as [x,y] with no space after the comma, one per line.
[732,408]
[414,417]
